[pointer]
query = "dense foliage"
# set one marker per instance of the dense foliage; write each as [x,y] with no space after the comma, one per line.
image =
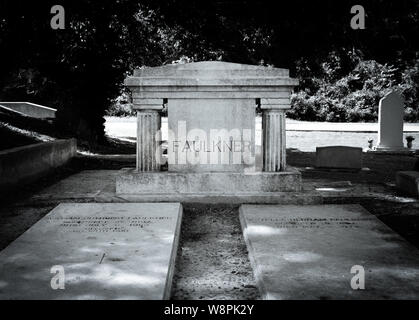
[80,70]
[355,96]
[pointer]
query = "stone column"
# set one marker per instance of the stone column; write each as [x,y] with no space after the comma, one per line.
[148,134]
[273,127]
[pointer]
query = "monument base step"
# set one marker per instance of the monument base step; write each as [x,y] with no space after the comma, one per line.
[296,198]
[132,182]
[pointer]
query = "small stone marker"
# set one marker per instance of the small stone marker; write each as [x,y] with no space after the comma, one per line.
[408,183]
[339,157]
[106,251]
[308,252]
[390,118]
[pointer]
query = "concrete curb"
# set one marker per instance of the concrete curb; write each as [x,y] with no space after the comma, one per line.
[25,164]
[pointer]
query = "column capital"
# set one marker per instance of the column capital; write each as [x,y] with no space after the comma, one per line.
[275,104]
[147,104]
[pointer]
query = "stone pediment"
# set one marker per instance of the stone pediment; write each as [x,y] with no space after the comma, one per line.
[211,73]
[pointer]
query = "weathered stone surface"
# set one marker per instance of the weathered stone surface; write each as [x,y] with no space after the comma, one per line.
[390,118]
[210,69]
[408,183]
[274,146]
[108,251]
[148,140]
[339,157]
[25,164]
[214,79]
[209,135]
[207,183]
[214,96]
[100,186]
[307,252]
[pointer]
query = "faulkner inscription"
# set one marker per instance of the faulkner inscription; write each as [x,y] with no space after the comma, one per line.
[213,146]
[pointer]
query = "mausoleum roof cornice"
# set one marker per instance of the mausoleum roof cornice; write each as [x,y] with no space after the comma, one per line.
[211,80]
[220,82]
[210,73]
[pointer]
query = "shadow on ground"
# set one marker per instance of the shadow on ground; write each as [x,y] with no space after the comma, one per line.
[212,258]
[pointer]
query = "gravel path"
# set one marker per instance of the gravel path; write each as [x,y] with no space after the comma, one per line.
[212,260]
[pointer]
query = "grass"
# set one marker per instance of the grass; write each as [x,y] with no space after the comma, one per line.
[10,139]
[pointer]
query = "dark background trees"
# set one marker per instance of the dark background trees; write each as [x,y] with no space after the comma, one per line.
[80,70]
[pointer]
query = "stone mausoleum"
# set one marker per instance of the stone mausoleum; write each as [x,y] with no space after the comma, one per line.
[211,108]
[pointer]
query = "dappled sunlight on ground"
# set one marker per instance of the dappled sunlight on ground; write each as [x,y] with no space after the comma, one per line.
[302,256]
[260,230]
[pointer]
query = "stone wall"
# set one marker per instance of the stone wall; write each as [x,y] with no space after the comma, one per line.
[25,164]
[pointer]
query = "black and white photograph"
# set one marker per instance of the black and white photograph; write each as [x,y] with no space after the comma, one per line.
[227,151]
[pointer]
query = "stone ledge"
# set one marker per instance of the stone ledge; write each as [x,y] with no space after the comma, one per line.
[399,152]
[296,198]
[29,109]
[132,182]
[25,164]
[408,183]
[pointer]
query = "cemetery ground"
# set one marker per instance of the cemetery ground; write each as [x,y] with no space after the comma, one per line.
[212,260]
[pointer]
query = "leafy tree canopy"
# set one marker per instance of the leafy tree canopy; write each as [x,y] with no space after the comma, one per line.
[80,69]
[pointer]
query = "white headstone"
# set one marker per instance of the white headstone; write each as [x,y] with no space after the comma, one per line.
[390,118]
